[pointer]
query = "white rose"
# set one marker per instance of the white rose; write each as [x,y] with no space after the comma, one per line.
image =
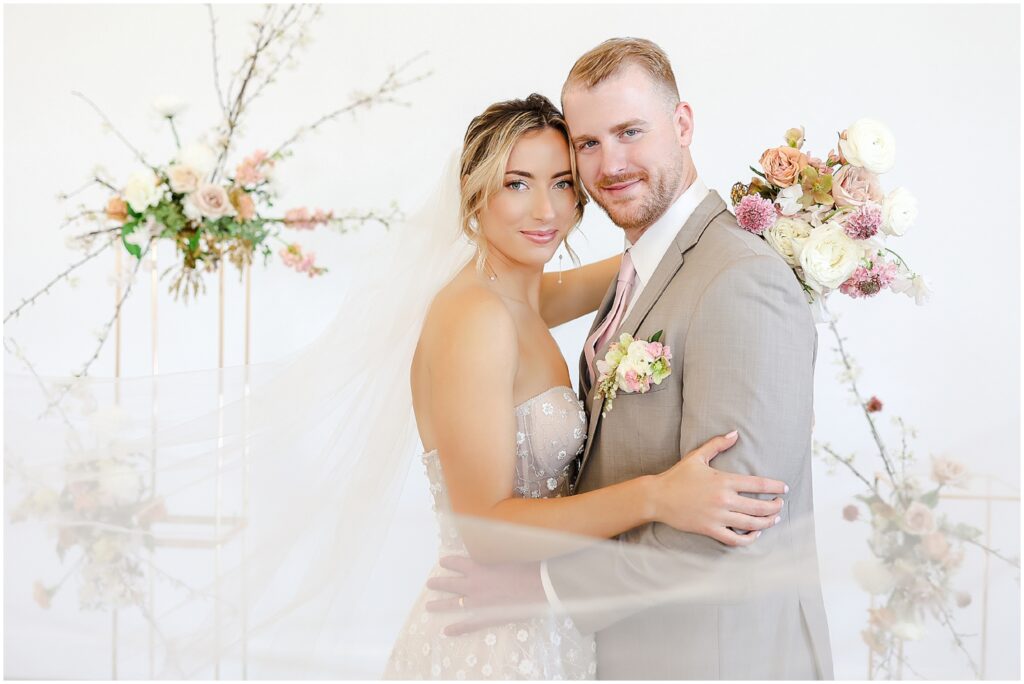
[918,519]
[789,200]
[787,236]
[916,287]
[183,178]
[949,472]
[168,105]
[899,211]
[209,200]
[638,355]
[829,256]
[874,577]
[143,190]
[870,145]
[199,156]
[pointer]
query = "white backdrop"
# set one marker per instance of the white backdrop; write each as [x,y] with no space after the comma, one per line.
[945,78]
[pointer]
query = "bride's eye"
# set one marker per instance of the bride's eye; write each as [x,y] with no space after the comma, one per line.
[564,185]
[516,185]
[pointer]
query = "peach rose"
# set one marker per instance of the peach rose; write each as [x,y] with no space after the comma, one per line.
[853,186]
[117,209]
[782,165]
[183,178]
[935,546]
[210,201]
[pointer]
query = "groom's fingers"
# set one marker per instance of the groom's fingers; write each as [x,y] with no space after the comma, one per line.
[453,585]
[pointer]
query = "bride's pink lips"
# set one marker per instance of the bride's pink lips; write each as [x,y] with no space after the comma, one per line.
[540,237]
[620,187]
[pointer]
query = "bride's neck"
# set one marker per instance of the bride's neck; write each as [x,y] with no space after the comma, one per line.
[514,281]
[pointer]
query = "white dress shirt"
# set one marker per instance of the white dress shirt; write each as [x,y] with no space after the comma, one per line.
[646,254]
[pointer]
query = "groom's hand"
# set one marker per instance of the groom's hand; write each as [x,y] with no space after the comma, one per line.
[490,594]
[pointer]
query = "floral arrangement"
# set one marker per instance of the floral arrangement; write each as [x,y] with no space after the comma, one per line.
[916,548]
[829,219]
[104,515]
[631,366]
[208,209]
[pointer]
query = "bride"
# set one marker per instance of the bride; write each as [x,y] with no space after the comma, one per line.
[499,423]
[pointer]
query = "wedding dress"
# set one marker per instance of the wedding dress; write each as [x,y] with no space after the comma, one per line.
[550,433]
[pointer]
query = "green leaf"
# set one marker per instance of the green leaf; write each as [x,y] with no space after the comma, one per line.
[931,499]
[134,250]
[656,337]
[758,173]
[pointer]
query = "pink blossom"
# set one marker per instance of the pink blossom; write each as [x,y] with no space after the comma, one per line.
[654,349]
[248,172]
[864,222]
[755,214]
[300,218]
[293,257]
[867,283]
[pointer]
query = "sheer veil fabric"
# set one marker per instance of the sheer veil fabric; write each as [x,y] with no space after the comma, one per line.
[299,473]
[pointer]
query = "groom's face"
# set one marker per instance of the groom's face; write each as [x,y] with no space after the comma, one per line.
[631,144]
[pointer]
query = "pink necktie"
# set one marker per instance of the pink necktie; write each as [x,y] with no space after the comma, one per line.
[611,322]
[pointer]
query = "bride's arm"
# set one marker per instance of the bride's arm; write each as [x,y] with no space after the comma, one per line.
[472,379]
[579,293]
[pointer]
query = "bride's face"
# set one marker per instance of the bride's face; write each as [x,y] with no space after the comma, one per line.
[526,220]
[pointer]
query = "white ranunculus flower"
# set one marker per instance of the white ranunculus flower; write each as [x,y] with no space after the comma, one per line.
[829,256]
[918,519]
[787,237]
[916,287]
[789,200]
[168,105]
[199,156]
[874,577]
[870,145]
[899,211]
[143,190]
[949,472]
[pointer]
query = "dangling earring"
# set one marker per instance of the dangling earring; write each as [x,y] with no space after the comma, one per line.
[473,224]
[559,268]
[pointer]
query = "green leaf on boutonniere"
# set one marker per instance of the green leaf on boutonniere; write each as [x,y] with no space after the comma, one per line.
[656,336]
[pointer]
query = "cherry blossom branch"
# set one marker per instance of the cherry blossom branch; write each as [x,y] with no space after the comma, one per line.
[46,288]
[216,68]
[106,120]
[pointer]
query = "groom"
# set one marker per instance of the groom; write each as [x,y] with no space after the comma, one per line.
[744,347]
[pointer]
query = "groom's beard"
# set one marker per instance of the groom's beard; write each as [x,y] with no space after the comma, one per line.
[662,191]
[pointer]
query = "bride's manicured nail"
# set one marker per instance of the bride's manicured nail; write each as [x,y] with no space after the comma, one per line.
[732,434]
[778,519]
[785,489]
[758,534]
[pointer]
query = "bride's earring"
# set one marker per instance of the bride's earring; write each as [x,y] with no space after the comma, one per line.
[473,223]
[559,268]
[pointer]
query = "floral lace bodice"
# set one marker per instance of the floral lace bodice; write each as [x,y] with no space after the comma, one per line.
[551,431]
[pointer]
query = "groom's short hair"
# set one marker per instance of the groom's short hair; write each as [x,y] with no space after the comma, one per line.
[608,58]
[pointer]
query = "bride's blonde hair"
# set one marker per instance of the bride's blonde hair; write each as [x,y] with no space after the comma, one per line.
[487,146]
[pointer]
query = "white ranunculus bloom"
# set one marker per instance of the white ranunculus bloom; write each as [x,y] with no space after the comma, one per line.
[870,145]
[168,105]
[789,200]
[198,156]
[874,577]
[787,237]
[142,190]
[908,631]
[829,256]
[899,211]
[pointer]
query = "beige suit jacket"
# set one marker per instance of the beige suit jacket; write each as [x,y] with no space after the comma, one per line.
[744,346]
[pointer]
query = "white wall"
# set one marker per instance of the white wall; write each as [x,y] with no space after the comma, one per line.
[945,78]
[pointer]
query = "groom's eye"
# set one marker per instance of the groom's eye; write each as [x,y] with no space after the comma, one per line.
[587,144]
[631,132]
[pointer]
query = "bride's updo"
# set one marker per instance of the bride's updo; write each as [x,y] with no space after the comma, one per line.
[485,152]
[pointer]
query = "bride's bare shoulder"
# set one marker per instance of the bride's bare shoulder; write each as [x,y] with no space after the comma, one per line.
[466,310]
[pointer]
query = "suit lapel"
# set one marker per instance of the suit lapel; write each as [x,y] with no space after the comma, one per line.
[706,211]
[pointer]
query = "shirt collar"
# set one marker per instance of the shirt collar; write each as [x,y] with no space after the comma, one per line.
[646,254]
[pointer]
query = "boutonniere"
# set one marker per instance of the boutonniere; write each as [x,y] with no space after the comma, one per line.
[631,366]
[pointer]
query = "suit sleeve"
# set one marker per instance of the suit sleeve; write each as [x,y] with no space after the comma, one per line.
[748,365]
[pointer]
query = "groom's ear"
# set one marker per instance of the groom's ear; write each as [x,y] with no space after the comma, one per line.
[682,119]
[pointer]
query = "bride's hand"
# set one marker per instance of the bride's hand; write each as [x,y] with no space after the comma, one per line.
[691,496]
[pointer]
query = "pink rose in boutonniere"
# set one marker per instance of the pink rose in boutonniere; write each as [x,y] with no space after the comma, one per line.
[631,366]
